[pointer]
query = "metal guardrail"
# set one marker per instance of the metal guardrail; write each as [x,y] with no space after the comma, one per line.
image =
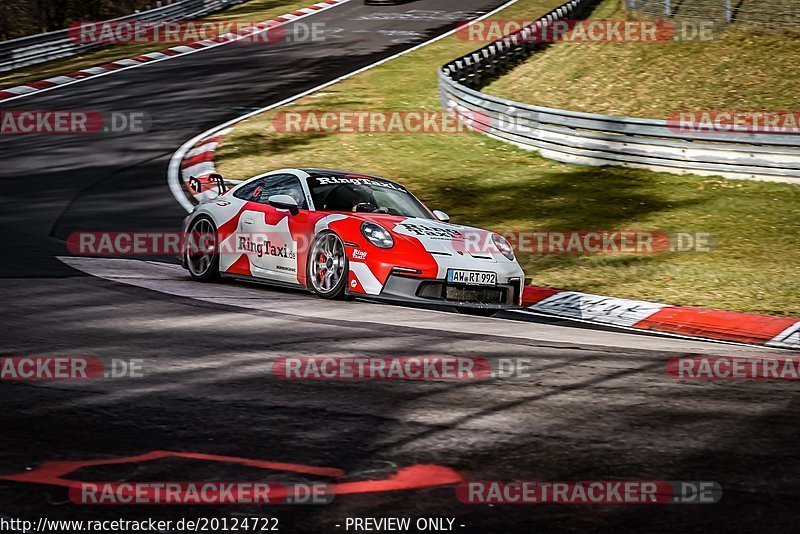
[34,49]
[595,139]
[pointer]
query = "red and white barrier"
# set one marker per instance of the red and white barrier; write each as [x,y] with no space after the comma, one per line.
[780,332]
[199,164]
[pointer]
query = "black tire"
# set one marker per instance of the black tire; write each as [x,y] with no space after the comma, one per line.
[205,270]
[478,312]
[320,263]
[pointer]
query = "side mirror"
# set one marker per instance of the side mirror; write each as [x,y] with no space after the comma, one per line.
[284,202]
[442,216]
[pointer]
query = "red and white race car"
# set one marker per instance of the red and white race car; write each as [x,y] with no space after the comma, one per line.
[342,234]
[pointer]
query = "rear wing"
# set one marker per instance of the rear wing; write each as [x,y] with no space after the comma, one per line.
[222,186]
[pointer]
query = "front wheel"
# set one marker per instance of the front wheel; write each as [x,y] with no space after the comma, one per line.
[327,266]
[201,255]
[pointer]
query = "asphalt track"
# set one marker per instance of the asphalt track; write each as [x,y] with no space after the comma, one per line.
[598,405]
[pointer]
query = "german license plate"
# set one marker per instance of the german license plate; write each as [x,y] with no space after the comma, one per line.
[472,278]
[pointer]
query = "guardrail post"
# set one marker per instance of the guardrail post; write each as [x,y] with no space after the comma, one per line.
[728,11]
[667,8]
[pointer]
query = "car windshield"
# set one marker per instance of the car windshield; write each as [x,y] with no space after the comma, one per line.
[364,194]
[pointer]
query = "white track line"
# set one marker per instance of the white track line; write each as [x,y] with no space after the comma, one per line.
[173,173]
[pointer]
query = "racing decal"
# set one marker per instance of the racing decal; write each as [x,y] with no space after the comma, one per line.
[240,266]
[262,245]
[270,248]
[444,245]
[357,179]
[359,254]
[419,229]
[367,280]
[353,285]
[227,217]
[325,222]
[433,235]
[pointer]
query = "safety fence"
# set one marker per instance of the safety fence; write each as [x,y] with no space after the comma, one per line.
[595,139]
[767,13]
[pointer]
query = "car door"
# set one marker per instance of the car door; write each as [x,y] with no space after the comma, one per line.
[267,235]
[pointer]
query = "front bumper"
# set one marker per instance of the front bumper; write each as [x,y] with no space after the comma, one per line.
[439,292]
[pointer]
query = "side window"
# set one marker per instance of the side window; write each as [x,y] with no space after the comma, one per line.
[277,184]
[246,192]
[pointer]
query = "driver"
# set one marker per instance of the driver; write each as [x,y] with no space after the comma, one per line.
[345,197]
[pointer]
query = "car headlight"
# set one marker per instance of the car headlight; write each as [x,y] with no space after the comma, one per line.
[377,235]
[503,246]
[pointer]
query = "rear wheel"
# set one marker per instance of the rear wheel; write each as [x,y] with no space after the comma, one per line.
[327,266]
[201,255]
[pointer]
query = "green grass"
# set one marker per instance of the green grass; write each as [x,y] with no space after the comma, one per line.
[744,69]
[483,182]
[252,11]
